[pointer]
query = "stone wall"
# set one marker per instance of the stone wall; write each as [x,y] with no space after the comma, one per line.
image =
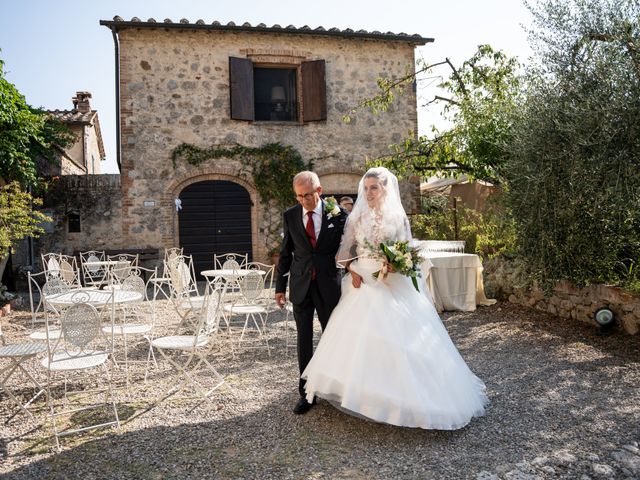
[97,199]
[502,279]
[175,89]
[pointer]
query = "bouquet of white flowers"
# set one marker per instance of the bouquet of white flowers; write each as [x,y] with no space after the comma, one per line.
[403,259]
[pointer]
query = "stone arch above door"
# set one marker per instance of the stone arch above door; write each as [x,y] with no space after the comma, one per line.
[179,184]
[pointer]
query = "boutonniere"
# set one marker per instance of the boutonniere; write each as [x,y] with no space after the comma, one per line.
[331,207]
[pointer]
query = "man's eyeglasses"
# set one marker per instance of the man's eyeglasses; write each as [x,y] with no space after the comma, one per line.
[306,196]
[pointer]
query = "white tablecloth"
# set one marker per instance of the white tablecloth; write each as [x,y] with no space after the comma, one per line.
[454,281]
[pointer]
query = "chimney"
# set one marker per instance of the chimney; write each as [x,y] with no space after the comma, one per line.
[81,102]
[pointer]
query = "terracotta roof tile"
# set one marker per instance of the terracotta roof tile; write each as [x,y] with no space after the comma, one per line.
[119,23]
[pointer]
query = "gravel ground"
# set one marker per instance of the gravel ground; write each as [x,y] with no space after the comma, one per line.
[564,404]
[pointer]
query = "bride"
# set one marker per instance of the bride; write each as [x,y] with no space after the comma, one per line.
[385,354]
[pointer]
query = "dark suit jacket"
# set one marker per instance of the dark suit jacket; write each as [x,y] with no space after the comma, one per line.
[298,256]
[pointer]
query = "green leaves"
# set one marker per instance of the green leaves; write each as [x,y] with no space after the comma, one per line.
[18,219]
[483,96]
[574,166]
[26,134]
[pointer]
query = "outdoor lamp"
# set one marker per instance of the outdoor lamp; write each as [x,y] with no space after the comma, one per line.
[278,98]
[605,319]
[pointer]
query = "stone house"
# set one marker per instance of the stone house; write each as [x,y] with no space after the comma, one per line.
[87,153]
[213,84]
[210,85]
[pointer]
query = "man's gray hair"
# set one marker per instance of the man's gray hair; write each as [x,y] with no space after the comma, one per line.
[307,177]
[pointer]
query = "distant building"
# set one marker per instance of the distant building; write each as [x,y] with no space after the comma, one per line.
[85,156]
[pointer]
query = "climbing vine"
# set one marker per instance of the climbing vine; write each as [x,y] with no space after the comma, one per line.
[272,166]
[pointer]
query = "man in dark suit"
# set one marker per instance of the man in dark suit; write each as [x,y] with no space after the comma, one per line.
[312,234]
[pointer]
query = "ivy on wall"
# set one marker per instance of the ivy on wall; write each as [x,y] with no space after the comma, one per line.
[272,166]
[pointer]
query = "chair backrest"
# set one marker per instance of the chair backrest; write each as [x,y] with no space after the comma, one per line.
[230,260]
[125,257]
[51,264]
[269,271]
[36,296]
[91,259]
[69,270]
[118,272]
[231,265]
[81,327]
[182,276]
[92,256]
[210,312]
[173,252]
[251,286]
[135,283]
[55,286]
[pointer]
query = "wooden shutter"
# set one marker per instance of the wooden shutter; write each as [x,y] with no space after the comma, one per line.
[241,88]
[314,91]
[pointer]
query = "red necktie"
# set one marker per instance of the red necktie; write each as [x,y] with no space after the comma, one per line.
[311,233]
[311,230]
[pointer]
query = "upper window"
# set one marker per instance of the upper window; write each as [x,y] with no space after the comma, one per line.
[275,94]
[272,94]
[73,222]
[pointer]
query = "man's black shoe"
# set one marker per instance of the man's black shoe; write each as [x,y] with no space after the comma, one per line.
[302,407]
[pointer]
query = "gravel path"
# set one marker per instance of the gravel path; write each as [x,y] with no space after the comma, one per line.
[564,404]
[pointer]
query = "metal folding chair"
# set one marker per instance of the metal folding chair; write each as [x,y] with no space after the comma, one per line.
[187,353]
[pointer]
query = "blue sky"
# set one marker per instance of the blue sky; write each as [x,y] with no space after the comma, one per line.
[52,49]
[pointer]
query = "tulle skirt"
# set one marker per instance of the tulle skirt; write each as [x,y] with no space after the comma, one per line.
[385,355]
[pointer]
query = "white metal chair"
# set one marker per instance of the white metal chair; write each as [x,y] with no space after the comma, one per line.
[268,292]
[51,264]
[184,289]
[69,271]
[125,263]
[93,275]
[82,347]
[162,284]
[138,317]
[64,267]
[17,354]
[230,260]
[250,304]
[187,353]
[40,309]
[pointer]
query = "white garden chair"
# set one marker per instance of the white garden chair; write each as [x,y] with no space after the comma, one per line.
[64,267]
[184,289]
[268,292]
[16,354]
[40,308]
[125,264]
[162,284]
[250,304]
[187,353]
[82,347]
[138,317]
[230,260]
[93,275]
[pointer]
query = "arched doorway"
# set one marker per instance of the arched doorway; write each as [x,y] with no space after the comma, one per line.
[215,218]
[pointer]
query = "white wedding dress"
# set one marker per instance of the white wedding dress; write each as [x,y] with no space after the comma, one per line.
[385,355]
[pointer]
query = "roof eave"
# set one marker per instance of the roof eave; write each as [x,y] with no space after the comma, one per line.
[413,39]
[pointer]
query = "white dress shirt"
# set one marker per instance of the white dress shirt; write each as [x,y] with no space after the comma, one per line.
[317,218]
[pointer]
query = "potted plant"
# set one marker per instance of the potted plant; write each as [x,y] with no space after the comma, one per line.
[5,300]
[274,254]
